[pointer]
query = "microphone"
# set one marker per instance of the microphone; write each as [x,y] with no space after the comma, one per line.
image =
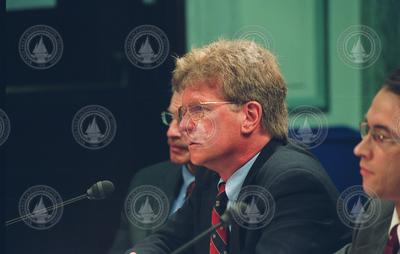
[98,191]
[226,220]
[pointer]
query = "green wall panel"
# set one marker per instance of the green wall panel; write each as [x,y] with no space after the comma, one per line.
[303,34]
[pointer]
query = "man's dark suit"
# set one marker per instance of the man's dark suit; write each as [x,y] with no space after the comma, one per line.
[164,175]
[305,218]
[372,240]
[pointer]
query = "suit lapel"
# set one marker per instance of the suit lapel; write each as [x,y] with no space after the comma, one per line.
[265,154]
[238,234]
[169,180]
[234,239]
[211,178]
[172,184]
[373,240]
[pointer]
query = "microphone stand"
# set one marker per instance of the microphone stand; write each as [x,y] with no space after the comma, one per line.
[99,190]
[225,221]
[69,201]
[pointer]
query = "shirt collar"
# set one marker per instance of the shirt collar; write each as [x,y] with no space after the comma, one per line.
[187,177]
[395,221]
[235,182]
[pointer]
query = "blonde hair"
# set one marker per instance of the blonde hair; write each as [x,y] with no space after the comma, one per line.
[244,72]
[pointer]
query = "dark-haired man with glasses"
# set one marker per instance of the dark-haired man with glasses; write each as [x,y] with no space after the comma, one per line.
[379,152]
[174,177]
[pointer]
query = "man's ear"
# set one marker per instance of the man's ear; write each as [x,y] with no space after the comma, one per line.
[252,111]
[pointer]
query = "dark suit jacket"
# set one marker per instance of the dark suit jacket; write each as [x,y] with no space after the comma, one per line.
[372,240]
[164,175]
[305,218]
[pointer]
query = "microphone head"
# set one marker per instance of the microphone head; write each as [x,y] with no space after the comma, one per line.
[232,211]
[226,218]
[100,190]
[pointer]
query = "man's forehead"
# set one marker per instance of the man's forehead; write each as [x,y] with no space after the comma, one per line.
[200,93]
[384,110]
[176,102]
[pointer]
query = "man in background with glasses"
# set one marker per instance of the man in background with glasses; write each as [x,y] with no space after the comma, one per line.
[235,121]
[379,152]
[174,177]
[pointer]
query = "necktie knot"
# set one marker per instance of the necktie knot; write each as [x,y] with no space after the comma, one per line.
[221,187]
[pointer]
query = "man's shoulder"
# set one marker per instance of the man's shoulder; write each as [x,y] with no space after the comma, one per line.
[370,236]
[160,167]
[382,212]
[162,171]
[293,155]
[290,156]
[295,162]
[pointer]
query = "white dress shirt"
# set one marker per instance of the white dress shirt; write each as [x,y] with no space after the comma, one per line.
[395,221]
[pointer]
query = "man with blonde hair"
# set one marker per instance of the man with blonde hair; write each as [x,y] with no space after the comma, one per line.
[235,120]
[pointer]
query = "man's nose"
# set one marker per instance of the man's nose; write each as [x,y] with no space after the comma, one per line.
[187,125]
[173,129]
[363,148]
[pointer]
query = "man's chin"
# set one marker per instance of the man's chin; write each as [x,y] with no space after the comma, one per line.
[371,190]
[179,159]
[197,159]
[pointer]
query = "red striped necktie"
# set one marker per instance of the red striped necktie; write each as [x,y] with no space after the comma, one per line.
[392,245]
[219,237]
